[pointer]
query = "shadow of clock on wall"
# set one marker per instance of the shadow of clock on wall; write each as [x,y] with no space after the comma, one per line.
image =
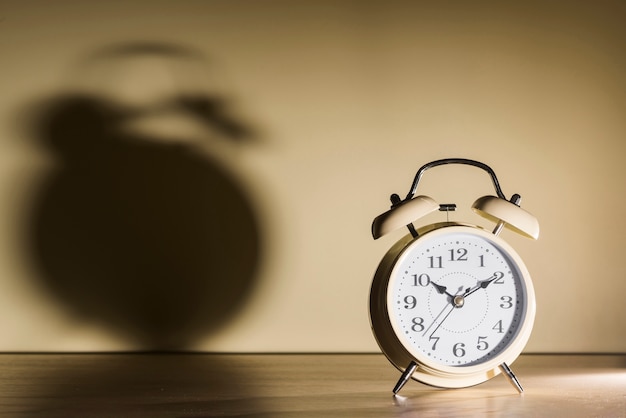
[150,237]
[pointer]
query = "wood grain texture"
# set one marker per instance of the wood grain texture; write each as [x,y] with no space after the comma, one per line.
[283,385]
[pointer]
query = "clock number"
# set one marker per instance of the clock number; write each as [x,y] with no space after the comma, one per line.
[458,350]
[500,277]
[482,344]
[482,261]
[421,280]
[435,343]
[461,252]
[498,327]
[418,324]
[435,262]
[410,301]
[507,302]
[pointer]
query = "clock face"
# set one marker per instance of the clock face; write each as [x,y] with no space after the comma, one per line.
[459,297]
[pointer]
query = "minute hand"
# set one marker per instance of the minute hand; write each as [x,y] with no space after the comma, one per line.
[483,284]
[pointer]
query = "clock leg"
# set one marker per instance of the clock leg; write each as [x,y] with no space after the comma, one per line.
[511,376]
[405,377]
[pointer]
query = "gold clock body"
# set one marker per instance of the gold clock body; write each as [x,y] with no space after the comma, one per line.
[401,353]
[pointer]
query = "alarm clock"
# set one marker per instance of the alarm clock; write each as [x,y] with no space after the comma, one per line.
[452,304]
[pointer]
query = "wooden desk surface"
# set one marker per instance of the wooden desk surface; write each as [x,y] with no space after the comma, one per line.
[277,386]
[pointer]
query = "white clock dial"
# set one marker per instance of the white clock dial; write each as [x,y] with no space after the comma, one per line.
[457,298]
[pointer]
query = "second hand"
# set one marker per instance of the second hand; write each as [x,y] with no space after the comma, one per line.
[435,321]
[457,302]
[442,321]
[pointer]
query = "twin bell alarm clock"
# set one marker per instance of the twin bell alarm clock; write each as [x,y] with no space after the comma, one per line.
[452,304]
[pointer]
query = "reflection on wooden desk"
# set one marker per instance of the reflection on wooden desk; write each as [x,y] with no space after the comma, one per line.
[296,385]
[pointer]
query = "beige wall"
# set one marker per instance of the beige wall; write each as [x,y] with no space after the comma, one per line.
[349,99]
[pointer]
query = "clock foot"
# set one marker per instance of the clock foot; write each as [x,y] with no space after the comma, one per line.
[511,377]
[405,377]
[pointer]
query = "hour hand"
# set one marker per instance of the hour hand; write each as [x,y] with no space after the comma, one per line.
[441,289]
